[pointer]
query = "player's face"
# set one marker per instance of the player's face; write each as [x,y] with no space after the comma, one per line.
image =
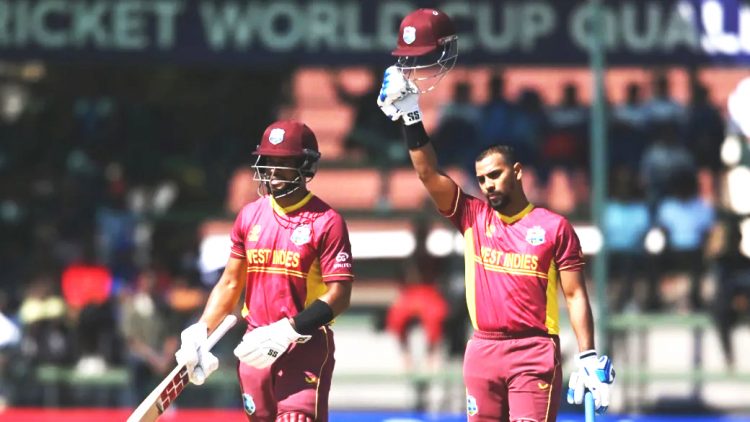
[497,180]
[284,172]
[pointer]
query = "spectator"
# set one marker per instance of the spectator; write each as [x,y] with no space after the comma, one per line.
[497,115]
[687,220]
[626,222]
[662,108]
[632,112]
[627,130]
[530,127]
[664,163]
[705,129]
[420,298]
[87,288]
[457,128]
[566,143]
[116,225]
[376,140]
[151,340]
[571,112]
[732,270]
[42,315]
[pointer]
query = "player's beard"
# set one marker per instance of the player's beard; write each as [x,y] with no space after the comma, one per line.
[498,202]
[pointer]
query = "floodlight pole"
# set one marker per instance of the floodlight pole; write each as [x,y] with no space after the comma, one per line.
[599,174]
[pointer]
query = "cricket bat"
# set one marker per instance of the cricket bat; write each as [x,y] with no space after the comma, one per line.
[167,391]
[589,407]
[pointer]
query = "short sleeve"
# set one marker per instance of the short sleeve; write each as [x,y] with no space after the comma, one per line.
[568,253]
[237,237]
[464,211]
[335,251]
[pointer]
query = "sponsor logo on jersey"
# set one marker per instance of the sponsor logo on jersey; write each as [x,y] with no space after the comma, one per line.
[535,236]
[342,260]
[301,234]
[276,136]
[410,34]
[542,385]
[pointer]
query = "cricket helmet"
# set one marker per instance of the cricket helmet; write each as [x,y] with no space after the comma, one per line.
[287,138]
[427,47]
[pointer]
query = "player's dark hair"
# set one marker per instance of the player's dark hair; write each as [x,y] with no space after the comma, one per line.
[507,151]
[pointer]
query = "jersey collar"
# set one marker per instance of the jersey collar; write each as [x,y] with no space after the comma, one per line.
[513,218]
[294,207]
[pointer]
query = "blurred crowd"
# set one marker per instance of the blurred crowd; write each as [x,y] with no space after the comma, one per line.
[103,182]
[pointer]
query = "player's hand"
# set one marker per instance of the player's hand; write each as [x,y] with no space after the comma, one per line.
[594,374]
[261,347]
[399,97]
[200,364]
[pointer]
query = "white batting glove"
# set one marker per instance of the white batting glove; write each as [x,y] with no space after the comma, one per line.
[399,97]
[200,364]
[261,347]
[593,374]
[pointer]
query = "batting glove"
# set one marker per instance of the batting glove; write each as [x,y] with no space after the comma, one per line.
[593,374]
[261,347]
[200,364]
[399,97]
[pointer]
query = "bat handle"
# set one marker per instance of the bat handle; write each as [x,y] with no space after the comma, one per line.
[219,332]
[588,404]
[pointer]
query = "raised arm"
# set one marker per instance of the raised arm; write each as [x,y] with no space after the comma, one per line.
[399,99]
[442,189]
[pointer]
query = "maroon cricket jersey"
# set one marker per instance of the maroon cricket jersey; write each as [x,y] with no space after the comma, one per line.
[513,264]
[291,254]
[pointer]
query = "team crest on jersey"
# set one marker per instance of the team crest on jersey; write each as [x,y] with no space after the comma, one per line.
[410,34]
[301,234]
[254,233]
[471,406]
[535,235]
[276,136]
[248,404]
[490,230]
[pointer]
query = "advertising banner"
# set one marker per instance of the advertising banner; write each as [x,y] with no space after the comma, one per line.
[352,32]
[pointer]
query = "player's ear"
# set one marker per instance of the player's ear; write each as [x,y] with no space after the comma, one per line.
[518,170]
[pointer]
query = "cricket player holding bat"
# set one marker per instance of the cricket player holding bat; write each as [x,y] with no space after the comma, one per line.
[292,257]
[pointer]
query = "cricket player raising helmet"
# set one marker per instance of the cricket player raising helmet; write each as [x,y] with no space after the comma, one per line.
[516,257]
[291,255]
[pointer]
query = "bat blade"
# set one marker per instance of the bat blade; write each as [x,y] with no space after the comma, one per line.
[172,385]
